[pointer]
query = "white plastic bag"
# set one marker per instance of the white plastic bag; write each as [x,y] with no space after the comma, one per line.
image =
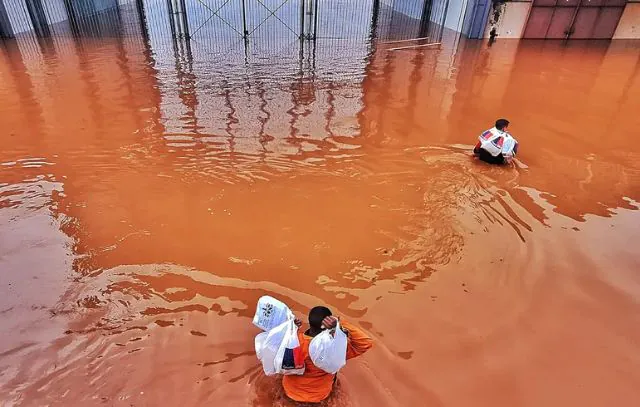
[268,345]
[266,353]
[289,359]
[271,313]
[279,343]
[329,352]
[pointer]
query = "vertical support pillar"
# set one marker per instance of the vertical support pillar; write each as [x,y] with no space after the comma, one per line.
[178,18]
[172,21]
[184,19]
[6,31]
[315,20]
[375,13]
[310,23]
[302,4]
[140,7]
[72,15]
[245,32]
[38,18]
[142,18]
[301,54]
[425,19]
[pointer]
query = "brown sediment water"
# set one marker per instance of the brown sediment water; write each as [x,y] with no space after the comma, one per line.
[147,201]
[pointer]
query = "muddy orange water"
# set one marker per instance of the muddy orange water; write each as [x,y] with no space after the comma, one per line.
[150,195]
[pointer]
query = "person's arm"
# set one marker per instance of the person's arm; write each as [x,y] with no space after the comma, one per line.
[359,342]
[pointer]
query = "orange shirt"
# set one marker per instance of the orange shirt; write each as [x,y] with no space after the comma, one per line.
[315,384]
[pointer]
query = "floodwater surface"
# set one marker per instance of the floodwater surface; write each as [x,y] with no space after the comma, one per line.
[150,195]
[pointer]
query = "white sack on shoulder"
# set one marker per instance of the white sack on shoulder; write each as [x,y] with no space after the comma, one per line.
[267,347]
[329,352]
[290,345]
[271,313]
[271,348]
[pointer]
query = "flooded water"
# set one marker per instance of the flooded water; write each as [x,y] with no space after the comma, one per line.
[149,195]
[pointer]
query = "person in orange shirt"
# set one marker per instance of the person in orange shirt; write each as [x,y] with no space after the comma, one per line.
[315,384]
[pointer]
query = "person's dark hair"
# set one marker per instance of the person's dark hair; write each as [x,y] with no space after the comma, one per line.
[316,315]
[501,124]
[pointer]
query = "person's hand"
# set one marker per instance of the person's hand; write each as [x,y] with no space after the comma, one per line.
[329,322]
[298,322]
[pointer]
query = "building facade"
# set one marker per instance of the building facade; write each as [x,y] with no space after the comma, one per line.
[310,19]
[553,19]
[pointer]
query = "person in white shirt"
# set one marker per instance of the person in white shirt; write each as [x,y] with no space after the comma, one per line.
[496,145]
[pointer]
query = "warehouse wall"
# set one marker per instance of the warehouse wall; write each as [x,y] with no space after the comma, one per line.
[629,25]
[513,20]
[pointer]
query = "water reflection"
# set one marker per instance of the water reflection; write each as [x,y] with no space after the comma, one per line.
[188,186]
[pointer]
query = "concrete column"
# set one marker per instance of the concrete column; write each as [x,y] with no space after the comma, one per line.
[6,31]
[38,18]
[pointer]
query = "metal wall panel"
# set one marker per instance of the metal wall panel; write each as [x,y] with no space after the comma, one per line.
[560,22]
[591,3]
[574,19]
[607,22]
[585,21]
[538,23]
[567,3]
[549,3]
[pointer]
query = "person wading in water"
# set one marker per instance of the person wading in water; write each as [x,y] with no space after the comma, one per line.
[315,384]
[496,145]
